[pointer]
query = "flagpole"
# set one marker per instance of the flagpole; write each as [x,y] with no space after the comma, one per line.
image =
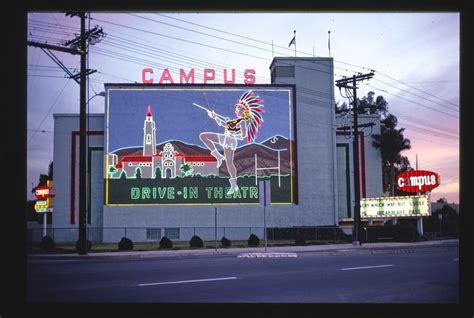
[329,43]
[294,31]
[272,49]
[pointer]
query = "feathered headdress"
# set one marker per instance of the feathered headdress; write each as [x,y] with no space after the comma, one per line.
[252,110]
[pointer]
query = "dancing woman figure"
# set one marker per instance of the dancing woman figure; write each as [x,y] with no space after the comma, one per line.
[248,110]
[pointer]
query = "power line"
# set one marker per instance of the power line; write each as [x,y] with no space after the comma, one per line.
[248,38]
[431,127]
[156,21]
[214,47]
[49,110]
[392,78]
[125,58]
[411,101]
[432,132]
[255,40]
[404,90]
[386,91]
[426,124]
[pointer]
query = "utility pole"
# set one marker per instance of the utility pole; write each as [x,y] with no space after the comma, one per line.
[78,47]
[82,141]
[419,220]
[344,83]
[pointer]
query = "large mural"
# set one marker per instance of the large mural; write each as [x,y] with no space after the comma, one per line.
[199,144]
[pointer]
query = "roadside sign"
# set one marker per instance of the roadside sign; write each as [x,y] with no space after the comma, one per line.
[45,192]
[440,216]
[264,192]
[417,181]
[394,207]
[43,210]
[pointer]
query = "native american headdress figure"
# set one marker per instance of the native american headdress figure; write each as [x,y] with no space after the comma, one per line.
[252,110]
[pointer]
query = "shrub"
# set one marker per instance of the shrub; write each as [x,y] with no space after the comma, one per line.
[125,244]
[253,241]
[225,242]
[300,240]
[47,243]
[196,241]
[165,242]
[89,245]
[405,233]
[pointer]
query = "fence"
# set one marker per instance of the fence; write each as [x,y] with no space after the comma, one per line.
[154,234]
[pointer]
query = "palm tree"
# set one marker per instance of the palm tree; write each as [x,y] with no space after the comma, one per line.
[391,143]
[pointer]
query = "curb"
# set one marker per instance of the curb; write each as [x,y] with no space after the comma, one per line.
[266,255]
[336,250]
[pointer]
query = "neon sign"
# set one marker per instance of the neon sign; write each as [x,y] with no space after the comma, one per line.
[44,192]
[206,144]
[417,181]
[189,77]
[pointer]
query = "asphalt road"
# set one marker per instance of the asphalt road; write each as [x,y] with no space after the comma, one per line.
[425,276]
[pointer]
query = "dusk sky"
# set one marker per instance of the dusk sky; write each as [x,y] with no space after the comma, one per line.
[415,57]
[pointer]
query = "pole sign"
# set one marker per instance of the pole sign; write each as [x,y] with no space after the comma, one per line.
[42,192]
[45,195]
[417,181]
[264,190]
[394,207]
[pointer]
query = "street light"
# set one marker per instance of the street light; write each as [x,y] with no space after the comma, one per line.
[103,94]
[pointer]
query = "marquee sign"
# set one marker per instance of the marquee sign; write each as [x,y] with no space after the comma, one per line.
[199,144]
[417,181]
[395,207]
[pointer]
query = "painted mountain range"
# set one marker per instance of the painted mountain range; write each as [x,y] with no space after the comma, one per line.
[244,158]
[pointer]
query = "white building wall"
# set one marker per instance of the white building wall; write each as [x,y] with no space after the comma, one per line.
[64,127]
[373,159]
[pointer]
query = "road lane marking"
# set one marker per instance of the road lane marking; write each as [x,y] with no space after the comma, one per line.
[366,267]
[187,281]
[456,259]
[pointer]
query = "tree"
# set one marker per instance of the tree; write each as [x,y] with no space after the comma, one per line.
[43,178]
[391,143]
[186,169]
[157,173]
[138,173]
[442,200]
[341,108]
[367,105]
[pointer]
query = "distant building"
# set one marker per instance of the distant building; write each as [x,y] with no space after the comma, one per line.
[439,205]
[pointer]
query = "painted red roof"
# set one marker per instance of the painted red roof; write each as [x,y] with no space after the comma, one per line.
[132,158]
[197,158]
[188,158]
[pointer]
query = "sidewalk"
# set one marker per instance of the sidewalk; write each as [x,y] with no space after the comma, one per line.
[332,249]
